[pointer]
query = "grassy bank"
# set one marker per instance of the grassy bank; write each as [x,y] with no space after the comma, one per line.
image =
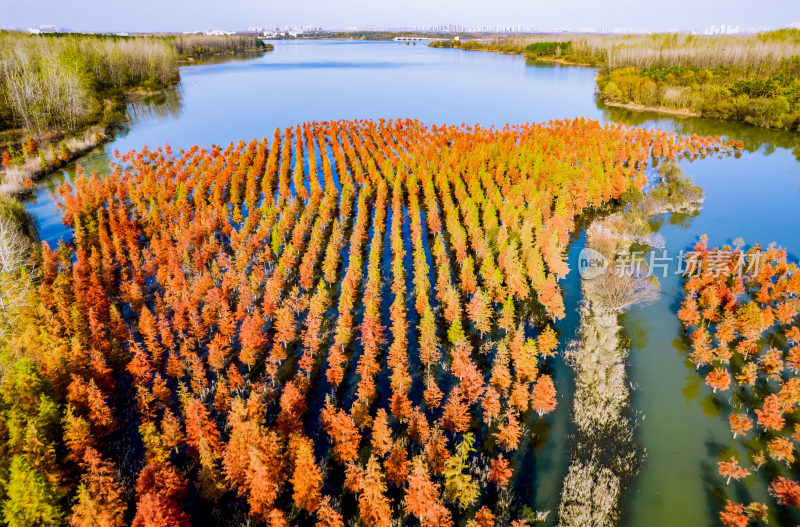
[60,93]
[749,78]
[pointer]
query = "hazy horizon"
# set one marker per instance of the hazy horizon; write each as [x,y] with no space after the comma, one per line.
[201,15]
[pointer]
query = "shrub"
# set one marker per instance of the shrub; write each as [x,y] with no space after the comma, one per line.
[547,48]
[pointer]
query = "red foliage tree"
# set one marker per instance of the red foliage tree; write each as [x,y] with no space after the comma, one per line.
[101,498]
[372,502]
[731,469]
[499,473]
[456,415]
[718,379]
[397,465]
[327,516]
[785,491]
[734,515]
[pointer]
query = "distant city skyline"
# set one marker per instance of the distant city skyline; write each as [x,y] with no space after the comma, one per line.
[513,15]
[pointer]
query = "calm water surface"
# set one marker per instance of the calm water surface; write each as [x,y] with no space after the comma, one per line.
[754,196]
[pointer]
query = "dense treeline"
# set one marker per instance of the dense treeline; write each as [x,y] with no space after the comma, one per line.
[740,312]
[535,49]
[444,44]
[199,45]
[350,321]
[751,78]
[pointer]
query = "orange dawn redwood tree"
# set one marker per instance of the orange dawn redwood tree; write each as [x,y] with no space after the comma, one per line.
[785,491]
[543,395]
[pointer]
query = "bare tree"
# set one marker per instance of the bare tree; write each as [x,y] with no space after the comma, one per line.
[15,274]
[617,292]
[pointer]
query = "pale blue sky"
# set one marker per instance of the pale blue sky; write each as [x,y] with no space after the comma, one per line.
[183,15]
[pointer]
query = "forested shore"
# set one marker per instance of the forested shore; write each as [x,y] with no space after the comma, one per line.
[61,93]
[749,78]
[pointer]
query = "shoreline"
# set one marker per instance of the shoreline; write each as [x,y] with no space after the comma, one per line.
[19,179]
[556,60]
[678,112]
[540,58]
[681,112]
[564,62]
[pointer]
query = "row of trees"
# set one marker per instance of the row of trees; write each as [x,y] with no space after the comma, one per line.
[741,311]
[350,321]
